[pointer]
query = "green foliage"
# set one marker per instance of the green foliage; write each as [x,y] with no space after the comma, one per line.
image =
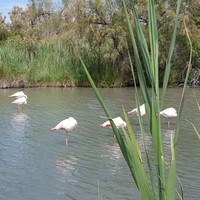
[98,28]
[4,34]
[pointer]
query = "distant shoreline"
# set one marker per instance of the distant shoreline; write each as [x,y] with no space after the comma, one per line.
[5,84]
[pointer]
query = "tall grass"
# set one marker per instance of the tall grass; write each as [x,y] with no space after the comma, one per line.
[163,187]
[54,62]
[45,62]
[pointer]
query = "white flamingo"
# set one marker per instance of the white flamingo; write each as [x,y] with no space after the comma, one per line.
[118,121]
[168,113]
[67,125]
[18,95]
[21,98]
[135,111]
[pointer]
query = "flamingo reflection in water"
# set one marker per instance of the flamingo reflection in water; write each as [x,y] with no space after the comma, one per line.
[21,99]
[19,121]
[67,125]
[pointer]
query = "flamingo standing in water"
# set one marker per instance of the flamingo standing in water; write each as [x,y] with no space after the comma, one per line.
[67,125]
[135,111]
[18,95]
[21,98]
[168,113]
[118,121]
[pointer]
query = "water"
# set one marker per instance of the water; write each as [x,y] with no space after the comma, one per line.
[36,164]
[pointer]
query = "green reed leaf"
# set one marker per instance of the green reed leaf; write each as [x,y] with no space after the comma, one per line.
[141,76]
[137,168]
[152,181]
[184,88]
[172,175]
[128,143]
[171,50]
[197,132]
[129,151]
[132,135]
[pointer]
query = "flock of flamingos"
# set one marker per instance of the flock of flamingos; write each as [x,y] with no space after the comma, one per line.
[70,123]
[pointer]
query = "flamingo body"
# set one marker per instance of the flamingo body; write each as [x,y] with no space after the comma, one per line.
[168,113]
[20,101]
[21,98]
[135,111]
[18,95]
[118,121]
[67,125]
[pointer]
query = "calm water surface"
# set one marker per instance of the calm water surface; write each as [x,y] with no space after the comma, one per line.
[36,164]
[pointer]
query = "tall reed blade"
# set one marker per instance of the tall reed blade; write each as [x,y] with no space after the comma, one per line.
[152,106]
[172,175]
[129,148]
[195,129]
[152,181]
[141,76]
[184,89]
[128,143]
[171,50]
[116,131]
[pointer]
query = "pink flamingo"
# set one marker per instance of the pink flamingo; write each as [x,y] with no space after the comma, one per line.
[21,98]
[119,123]
[168,113]
[135,111]
[67,125]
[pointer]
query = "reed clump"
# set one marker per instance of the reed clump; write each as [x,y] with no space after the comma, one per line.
[44,63]
[55,63]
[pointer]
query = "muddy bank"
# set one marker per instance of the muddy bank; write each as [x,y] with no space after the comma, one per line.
[24,84]
[20,83]
[4,84]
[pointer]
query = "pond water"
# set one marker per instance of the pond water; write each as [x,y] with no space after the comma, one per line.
[36,164]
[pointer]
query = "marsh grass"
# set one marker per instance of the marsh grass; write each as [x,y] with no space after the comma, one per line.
[42,63]
[161,182]
[54,62]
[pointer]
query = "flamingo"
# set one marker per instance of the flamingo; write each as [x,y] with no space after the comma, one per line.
[67,125]
[135,111]
[21,98]
[18,95]
[168,113]
[119,123]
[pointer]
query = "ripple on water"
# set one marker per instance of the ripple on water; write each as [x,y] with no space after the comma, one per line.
[36,163]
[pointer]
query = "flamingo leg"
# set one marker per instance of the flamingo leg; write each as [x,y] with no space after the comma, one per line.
[19,108]
[66,137]
[168,122]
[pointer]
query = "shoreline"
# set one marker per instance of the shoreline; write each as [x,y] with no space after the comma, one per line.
[5,84]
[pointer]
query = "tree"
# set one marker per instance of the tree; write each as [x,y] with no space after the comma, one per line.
[3,29]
